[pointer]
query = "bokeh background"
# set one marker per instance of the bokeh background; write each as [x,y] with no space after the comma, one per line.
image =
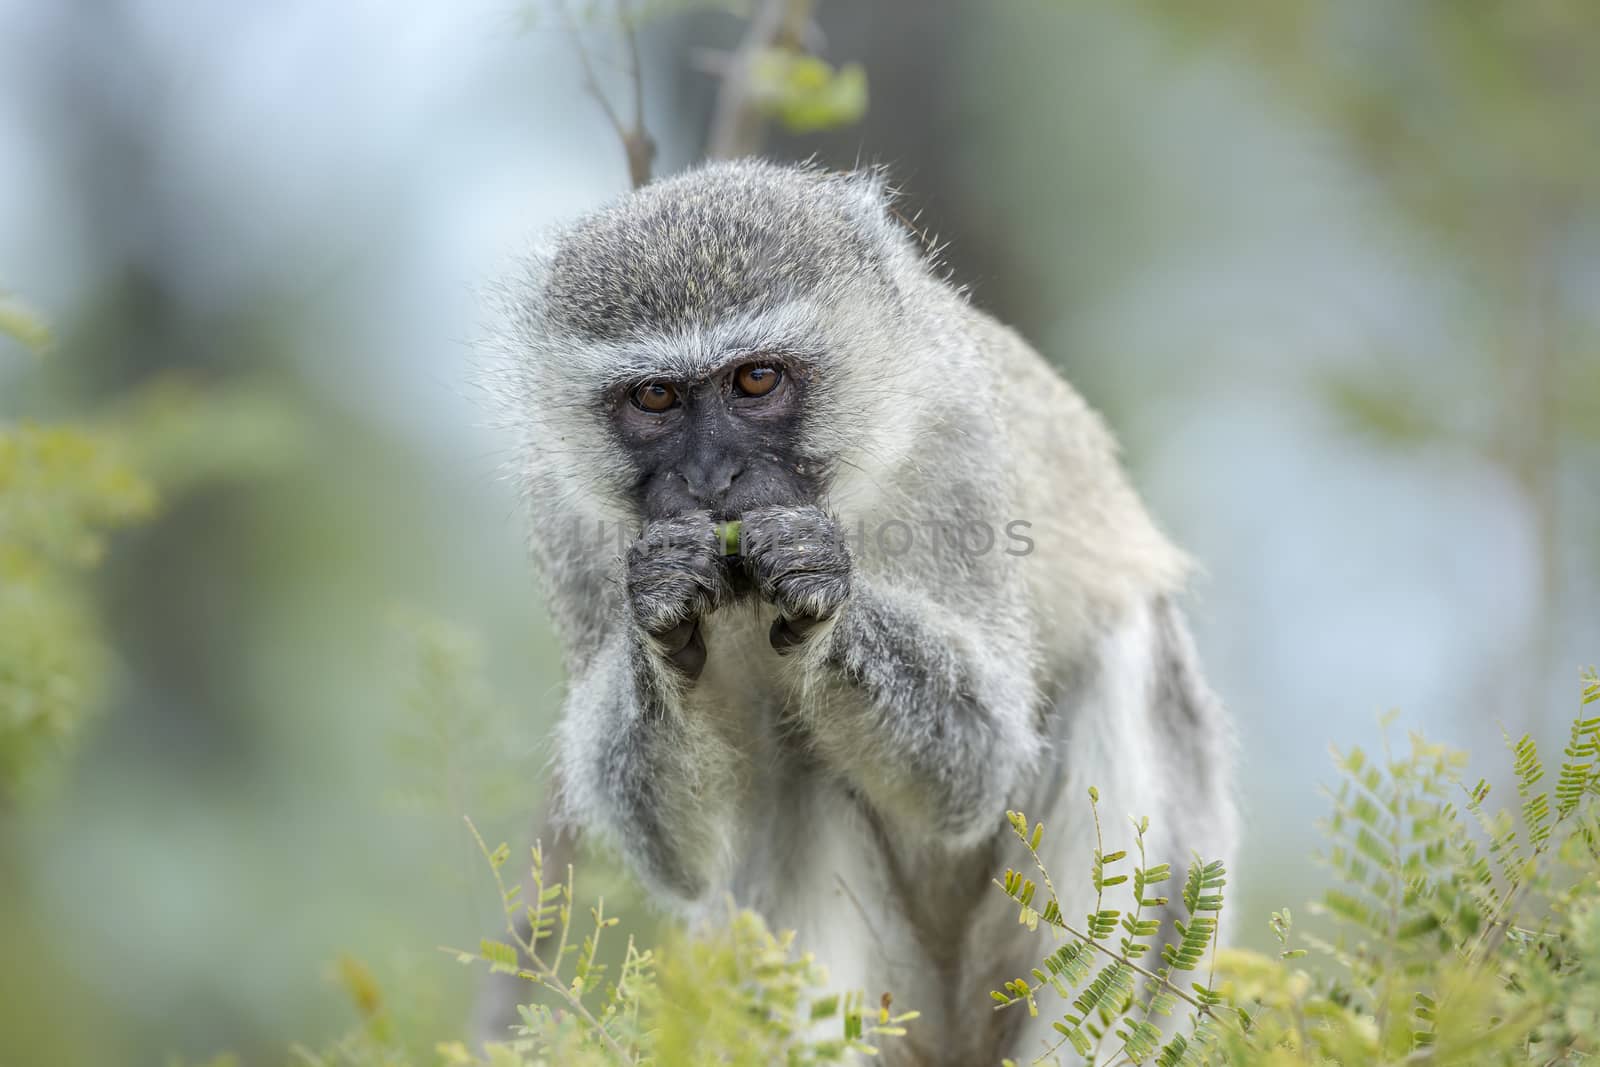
[1331,268]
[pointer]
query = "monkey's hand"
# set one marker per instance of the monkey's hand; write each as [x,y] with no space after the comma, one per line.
[675,576]
[800,562]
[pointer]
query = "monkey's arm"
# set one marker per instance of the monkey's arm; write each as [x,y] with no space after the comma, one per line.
[928,715]
[639,763]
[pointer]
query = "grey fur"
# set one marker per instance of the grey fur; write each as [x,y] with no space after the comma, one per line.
[853,788]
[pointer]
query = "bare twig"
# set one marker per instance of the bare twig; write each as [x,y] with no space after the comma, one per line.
[737,126]
[637,144]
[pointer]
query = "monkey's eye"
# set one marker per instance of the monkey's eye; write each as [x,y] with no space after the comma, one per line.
[757,379]
[655,397]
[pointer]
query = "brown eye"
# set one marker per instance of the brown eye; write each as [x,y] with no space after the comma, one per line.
[655,397]
[757,379]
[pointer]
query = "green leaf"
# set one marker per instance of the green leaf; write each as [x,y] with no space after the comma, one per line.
[502,958]
[805,93]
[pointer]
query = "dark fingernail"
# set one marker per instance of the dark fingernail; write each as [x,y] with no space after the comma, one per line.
[787,634]
[674,640]
[691,658]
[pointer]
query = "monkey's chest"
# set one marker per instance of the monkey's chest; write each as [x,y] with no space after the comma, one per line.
[812,858]
[878,923]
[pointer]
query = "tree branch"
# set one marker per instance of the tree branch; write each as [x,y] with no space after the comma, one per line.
[737,127]
[637,144]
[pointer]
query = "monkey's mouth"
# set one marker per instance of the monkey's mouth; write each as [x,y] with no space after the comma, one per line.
[740,581]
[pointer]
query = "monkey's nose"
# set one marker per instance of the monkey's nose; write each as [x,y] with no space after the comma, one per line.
[707,483]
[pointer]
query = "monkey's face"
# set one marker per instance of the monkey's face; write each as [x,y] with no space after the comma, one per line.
[724,443]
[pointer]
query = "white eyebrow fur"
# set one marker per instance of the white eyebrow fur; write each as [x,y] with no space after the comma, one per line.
[693,354]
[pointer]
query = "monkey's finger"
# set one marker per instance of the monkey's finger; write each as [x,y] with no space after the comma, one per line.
[673,640]
[787,634]
[691,658]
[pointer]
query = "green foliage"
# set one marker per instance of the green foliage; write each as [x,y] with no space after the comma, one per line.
[1116,1004]
[63,488]
[806,93]
[740,996]
[1454,934]
[1457,935]
[744,998]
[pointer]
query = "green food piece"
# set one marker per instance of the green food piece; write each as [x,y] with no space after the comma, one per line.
[728,537]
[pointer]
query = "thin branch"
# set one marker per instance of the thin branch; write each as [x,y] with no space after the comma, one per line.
[546,974]
[1062,923]
[1162,979]
[630,37]
[591,83]
[883,950]
[1138,913]
[637,144]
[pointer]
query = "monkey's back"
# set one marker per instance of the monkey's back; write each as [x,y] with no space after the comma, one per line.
[1072,487]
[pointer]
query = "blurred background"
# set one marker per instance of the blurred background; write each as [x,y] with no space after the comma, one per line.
[1330,267]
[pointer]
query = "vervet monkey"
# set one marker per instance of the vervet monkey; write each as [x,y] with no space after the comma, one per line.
[947,601]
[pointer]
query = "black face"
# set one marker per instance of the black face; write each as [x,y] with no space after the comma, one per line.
[725,444]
